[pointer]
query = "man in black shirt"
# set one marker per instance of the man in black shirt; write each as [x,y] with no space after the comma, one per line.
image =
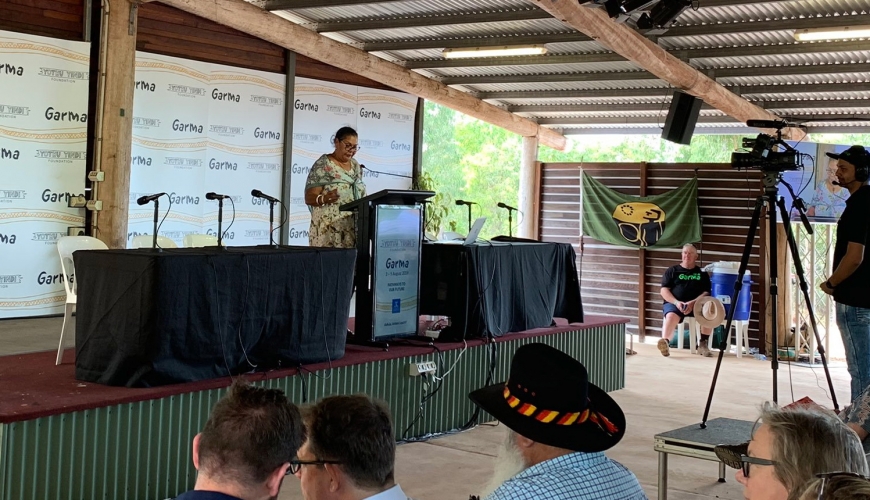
[682,285]
[850,282]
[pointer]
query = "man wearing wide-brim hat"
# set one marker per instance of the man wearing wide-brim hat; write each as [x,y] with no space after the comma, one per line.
[559,426]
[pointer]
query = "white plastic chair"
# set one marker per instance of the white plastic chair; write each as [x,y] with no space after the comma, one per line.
[741,326]
[200,240]
[694,333]
[66,245]
[146,240]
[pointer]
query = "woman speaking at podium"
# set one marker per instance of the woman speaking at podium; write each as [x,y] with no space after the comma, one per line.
[335,179]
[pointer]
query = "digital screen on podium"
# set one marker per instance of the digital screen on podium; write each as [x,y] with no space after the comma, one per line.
[396,274]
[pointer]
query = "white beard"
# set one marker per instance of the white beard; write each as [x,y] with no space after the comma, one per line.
[508,464]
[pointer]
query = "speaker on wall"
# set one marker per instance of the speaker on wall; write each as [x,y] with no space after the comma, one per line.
[682,117]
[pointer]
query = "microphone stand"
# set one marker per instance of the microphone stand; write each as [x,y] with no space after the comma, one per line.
[271,223]
[220,220]
[154,238]
[510,221]
[469,216]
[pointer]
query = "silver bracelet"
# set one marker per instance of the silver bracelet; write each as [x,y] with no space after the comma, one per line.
[319,200]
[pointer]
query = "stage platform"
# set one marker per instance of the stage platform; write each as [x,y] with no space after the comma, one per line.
[61,438]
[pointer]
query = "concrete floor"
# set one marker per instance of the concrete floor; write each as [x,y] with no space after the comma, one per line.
[661,394]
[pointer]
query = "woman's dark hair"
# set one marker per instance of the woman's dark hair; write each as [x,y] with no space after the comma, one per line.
[345,132]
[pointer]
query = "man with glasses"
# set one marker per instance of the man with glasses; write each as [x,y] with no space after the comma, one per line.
[788,449]
[244,451]
[350,451]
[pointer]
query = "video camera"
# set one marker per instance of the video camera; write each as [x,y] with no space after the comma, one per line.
[767,153]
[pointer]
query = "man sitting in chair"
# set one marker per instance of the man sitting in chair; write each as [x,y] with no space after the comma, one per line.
[682,285]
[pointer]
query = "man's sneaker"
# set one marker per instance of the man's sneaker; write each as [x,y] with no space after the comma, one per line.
[703,350]
[664,347]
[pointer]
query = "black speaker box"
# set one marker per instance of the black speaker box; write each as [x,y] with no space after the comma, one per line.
[682,117]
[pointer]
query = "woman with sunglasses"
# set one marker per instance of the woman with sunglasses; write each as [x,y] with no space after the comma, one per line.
[789,447]
[837,486]
[335,179]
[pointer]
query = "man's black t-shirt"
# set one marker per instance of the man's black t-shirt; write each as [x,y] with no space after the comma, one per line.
[686,284]
[854,226]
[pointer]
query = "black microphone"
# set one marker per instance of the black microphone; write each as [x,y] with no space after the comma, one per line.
[777,124]
[502,205]
[147,199]
[836,183]
[462,202]
[215,196]
[363,167]
[256,193]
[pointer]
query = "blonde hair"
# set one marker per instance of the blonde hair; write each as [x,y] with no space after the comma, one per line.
[837,488]
[807,442]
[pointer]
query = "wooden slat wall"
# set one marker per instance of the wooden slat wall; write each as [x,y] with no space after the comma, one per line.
[610,275]
[54,18]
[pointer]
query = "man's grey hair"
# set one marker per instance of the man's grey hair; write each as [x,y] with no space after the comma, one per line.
[807,442]
[689,245]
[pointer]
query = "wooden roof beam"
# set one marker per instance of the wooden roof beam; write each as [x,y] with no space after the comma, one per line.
[633,46]
[431,20]
[248,18]
[657,106]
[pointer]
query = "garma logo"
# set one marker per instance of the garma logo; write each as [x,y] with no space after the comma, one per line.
[9,154]
[640,223]
[399,146]
[267,134]
[304,106]
[214,164]
[7,239]
[363,113]
[45,278]
[49,197]
[217,95]
[52,114]
[178,199]
[145,85]
[9,69]
[227,235]
[298,233]
[140,161]
[178,126]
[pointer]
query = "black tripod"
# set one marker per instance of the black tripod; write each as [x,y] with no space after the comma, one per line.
[771,199]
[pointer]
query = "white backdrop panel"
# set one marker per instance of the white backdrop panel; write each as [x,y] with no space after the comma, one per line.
[43,122]
[319,110]
[386,128]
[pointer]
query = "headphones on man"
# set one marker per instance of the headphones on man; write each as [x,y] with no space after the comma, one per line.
[862,172]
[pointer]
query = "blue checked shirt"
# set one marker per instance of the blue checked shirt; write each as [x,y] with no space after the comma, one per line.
[573,476]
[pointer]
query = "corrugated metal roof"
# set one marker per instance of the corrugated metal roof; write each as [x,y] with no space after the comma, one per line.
[707,32]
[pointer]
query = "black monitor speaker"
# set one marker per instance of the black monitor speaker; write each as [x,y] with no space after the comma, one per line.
[682,117]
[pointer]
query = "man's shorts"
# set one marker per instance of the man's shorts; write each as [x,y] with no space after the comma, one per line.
[670,308]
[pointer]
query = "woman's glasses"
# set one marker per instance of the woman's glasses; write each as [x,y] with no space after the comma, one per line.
[746,461]
[827,476]
[353,148]
[296,465]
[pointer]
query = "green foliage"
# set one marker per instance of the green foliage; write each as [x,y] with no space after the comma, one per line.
[649,148]
[437,208]
[471,160]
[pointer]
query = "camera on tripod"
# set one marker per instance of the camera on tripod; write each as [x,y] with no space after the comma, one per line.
[766,152]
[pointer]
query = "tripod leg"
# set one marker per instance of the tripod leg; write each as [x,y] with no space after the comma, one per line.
[799,270]
[772,196]
[744,263]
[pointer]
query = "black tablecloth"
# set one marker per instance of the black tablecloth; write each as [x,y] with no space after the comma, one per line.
[497,287]
[147,318]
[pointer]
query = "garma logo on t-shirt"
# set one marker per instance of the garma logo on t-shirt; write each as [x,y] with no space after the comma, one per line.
[690,277]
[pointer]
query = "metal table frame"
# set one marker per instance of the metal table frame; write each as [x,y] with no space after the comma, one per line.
[667,444]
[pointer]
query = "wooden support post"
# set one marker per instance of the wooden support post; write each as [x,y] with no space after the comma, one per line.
[527,207]
[115,131]
[641,271]
[783,262]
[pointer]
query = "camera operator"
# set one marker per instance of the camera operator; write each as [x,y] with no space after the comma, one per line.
[850,281]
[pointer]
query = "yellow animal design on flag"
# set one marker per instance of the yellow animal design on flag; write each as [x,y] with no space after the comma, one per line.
[640,223]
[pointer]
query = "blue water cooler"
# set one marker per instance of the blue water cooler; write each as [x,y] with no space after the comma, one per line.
[723,279]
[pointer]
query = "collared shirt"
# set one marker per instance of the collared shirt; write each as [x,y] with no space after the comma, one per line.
[574,476]
[394,493]
[205,495]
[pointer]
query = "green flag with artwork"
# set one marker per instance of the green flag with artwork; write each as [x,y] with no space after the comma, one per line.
[667,220]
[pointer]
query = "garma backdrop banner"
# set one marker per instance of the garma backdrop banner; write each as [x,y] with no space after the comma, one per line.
[663,221]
